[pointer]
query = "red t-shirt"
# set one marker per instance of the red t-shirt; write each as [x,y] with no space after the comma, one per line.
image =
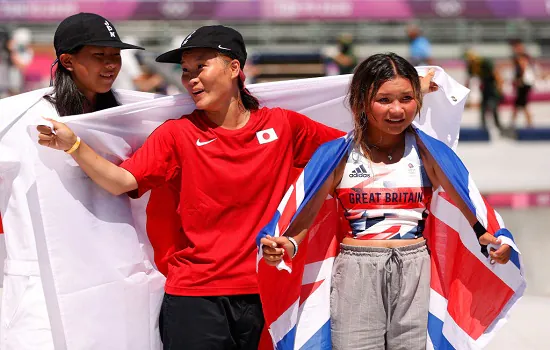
[163,223]
[230,183]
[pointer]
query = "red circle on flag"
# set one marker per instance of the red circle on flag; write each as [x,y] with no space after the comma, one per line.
[266,135]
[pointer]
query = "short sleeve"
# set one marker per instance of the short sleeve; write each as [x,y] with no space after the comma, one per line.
[156,161]
[307,136]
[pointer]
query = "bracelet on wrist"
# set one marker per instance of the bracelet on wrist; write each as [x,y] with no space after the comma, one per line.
[74,147]
[479,229]
[295,244]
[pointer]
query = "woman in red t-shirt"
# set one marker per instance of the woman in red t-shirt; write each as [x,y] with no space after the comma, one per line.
[219,162]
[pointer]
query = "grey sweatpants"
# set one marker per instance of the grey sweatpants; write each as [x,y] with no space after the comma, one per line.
[379,298]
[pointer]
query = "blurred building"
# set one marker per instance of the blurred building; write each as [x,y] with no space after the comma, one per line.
[313,26]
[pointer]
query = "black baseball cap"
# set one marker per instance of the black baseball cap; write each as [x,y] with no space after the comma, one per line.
[226,40]
[86,29]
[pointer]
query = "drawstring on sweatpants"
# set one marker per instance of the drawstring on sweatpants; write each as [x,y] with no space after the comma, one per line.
[397,258]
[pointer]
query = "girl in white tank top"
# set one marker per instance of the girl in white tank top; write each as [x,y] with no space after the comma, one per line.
[385,201]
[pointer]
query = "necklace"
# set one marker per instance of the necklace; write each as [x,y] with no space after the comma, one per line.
[388,153]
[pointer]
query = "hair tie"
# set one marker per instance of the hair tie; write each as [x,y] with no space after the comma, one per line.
[242,78]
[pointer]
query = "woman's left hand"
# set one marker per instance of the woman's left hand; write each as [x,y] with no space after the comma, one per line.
[274,249]
[426,83]
[500,255]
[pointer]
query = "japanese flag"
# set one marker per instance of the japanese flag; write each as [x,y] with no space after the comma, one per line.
[266,136]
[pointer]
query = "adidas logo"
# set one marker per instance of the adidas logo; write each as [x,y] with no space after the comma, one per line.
[360,171]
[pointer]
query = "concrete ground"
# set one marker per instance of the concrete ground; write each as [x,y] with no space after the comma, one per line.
[505,165]
[528,323]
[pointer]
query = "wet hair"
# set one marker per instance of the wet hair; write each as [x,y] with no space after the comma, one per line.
[249,101]
[367,80]
[67,98]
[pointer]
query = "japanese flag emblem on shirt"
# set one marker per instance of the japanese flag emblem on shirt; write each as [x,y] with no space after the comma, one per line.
[266,136]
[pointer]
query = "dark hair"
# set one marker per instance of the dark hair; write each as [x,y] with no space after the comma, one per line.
[515,41]
[67,98]
[248,100]
[366,81]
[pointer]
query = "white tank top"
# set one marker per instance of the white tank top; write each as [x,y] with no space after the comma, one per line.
[385,201]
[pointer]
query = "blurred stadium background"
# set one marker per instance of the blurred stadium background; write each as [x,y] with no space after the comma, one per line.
[289,39]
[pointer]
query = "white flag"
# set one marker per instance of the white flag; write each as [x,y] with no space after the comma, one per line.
[101,288]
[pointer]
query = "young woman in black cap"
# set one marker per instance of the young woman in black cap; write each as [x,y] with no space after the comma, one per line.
[87,64]
[226,161]
[88,61]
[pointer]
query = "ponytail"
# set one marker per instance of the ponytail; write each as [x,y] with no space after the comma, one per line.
[250,102]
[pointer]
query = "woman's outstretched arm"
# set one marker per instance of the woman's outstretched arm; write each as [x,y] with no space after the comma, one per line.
[109,176]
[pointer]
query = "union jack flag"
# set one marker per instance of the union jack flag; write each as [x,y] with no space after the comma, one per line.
[470,298]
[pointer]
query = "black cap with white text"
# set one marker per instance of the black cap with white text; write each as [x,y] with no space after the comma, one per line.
[86,29]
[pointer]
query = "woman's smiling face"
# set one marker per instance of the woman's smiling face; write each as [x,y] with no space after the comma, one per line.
[208,77]
[393,108]
[93,68]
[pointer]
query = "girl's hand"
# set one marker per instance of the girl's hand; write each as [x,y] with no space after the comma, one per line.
[61,138]
[500,255]
[426,83]
[274,249]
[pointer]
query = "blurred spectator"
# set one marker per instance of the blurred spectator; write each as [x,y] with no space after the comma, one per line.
[491,85]
[524,79]
[21,57]
[251,72]
[150,80]
[420,49]
[345,59]
[5,62]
